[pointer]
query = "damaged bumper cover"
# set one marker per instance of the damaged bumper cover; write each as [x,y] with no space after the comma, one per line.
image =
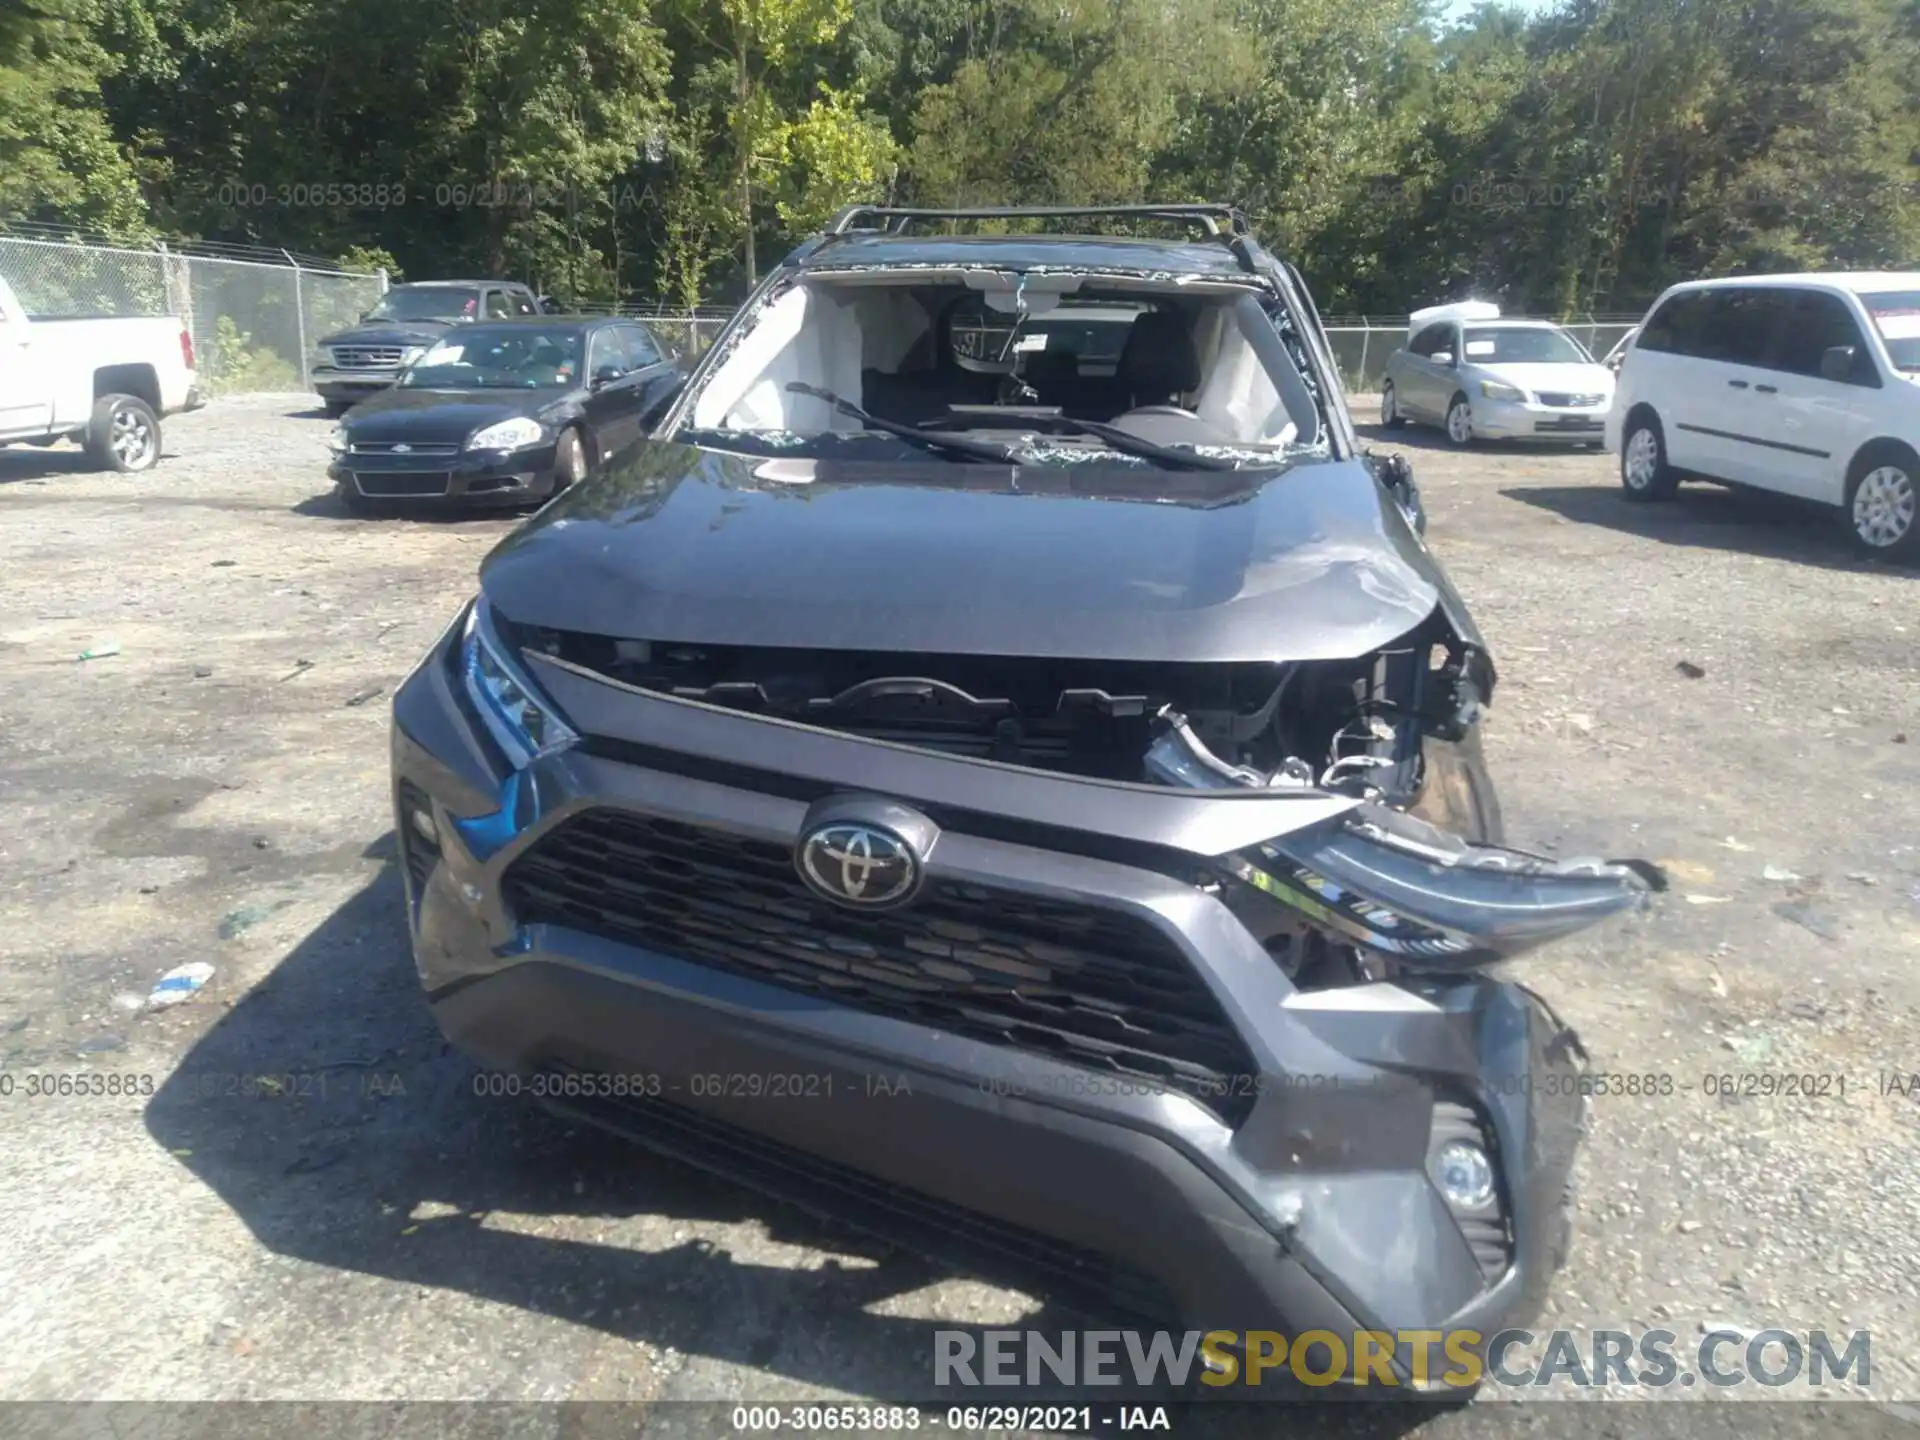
[1392,883]
[1318,1147]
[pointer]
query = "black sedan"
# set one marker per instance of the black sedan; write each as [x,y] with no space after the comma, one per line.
[509,412]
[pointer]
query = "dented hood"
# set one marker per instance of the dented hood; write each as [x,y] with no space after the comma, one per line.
[673,542]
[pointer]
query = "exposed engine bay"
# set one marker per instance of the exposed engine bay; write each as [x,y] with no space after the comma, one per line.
[1365,728]
[1349,726]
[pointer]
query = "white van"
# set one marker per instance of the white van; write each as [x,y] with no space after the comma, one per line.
[1805,384]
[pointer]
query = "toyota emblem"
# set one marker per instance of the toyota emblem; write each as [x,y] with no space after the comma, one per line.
[855,864]
[403,448]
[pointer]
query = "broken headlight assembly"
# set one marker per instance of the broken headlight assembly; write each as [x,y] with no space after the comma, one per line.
[521,723]
[1395,885]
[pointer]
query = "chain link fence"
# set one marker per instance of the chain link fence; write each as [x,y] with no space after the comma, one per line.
[254,322]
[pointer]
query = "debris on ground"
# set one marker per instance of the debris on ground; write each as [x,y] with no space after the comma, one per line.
[1708,899]
[100,652]
[1860,877]
[1777,873]
[1900,737]
[100,1043]
[1805,1007]
[300,667]
[246,917]
[224,564]
[178,984]
[1732,844]
[1688,870]
[1691,670]
[201,672]
[1752,1050]
[372,692]
[1808,918]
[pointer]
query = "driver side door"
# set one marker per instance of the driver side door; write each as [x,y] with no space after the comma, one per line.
[26,402]
[1429,383]
[613,401]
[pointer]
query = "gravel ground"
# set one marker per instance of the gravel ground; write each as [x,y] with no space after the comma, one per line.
[216,792]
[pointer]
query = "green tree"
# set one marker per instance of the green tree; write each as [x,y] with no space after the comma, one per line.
[59,160]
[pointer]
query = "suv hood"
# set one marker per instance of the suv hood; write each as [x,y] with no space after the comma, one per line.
[671,542]
[392,332]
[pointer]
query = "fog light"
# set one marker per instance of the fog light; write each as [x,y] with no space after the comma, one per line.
[1465,1174]
[423,823]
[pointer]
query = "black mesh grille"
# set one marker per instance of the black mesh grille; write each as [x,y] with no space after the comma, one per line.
[400,484]
[1085,1279]
[1079,984]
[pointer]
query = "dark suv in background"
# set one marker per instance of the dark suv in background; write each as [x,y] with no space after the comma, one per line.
[348,366]
[1000,764]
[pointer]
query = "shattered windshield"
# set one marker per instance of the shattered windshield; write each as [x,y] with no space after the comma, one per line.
[1053,370]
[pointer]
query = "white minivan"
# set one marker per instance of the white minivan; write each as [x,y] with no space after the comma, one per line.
[1805,384]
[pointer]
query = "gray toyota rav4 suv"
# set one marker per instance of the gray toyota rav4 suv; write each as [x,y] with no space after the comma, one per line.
[999,765]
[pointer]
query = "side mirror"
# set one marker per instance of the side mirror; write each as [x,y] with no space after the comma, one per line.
[1443,357]
[1839,362]
[608,373]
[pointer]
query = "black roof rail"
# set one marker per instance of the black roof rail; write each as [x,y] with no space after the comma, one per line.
[1217,220]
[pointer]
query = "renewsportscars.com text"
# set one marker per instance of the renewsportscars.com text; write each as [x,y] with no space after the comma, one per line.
[1654,1359]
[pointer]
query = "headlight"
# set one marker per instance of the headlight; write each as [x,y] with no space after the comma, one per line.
[321,356]
[507,435]
[337,440]
[411,354]
[1392,883]
[1495,390]
[522,725]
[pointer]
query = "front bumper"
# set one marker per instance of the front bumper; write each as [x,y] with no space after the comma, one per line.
[1525,420]
[332,384]
[1312,1208]
[468,477]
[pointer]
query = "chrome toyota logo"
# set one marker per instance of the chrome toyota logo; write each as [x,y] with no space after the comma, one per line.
[856,864]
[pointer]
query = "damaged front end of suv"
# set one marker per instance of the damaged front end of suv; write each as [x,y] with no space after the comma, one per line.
[1086,749]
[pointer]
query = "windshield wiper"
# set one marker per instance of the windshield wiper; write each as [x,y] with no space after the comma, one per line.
[1128,443]
[943,444]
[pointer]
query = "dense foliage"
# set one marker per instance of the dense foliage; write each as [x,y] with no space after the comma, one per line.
[1575,160]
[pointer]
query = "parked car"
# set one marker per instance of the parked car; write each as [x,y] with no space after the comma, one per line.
[348,366]
[104,381]
[1055,834]
[1802,384]
[1481,377]
[1618,354]
[505,413]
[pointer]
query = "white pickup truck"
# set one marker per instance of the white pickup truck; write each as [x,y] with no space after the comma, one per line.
[102,381]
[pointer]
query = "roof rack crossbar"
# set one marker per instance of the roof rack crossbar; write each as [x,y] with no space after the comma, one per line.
[1217,220]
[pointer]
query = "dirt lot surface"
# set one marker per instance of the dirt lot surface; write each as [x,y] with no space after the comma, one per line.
[216,791]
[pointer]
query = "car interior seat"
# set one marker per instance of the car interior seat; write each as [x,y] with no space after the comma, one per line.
[1158,363]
